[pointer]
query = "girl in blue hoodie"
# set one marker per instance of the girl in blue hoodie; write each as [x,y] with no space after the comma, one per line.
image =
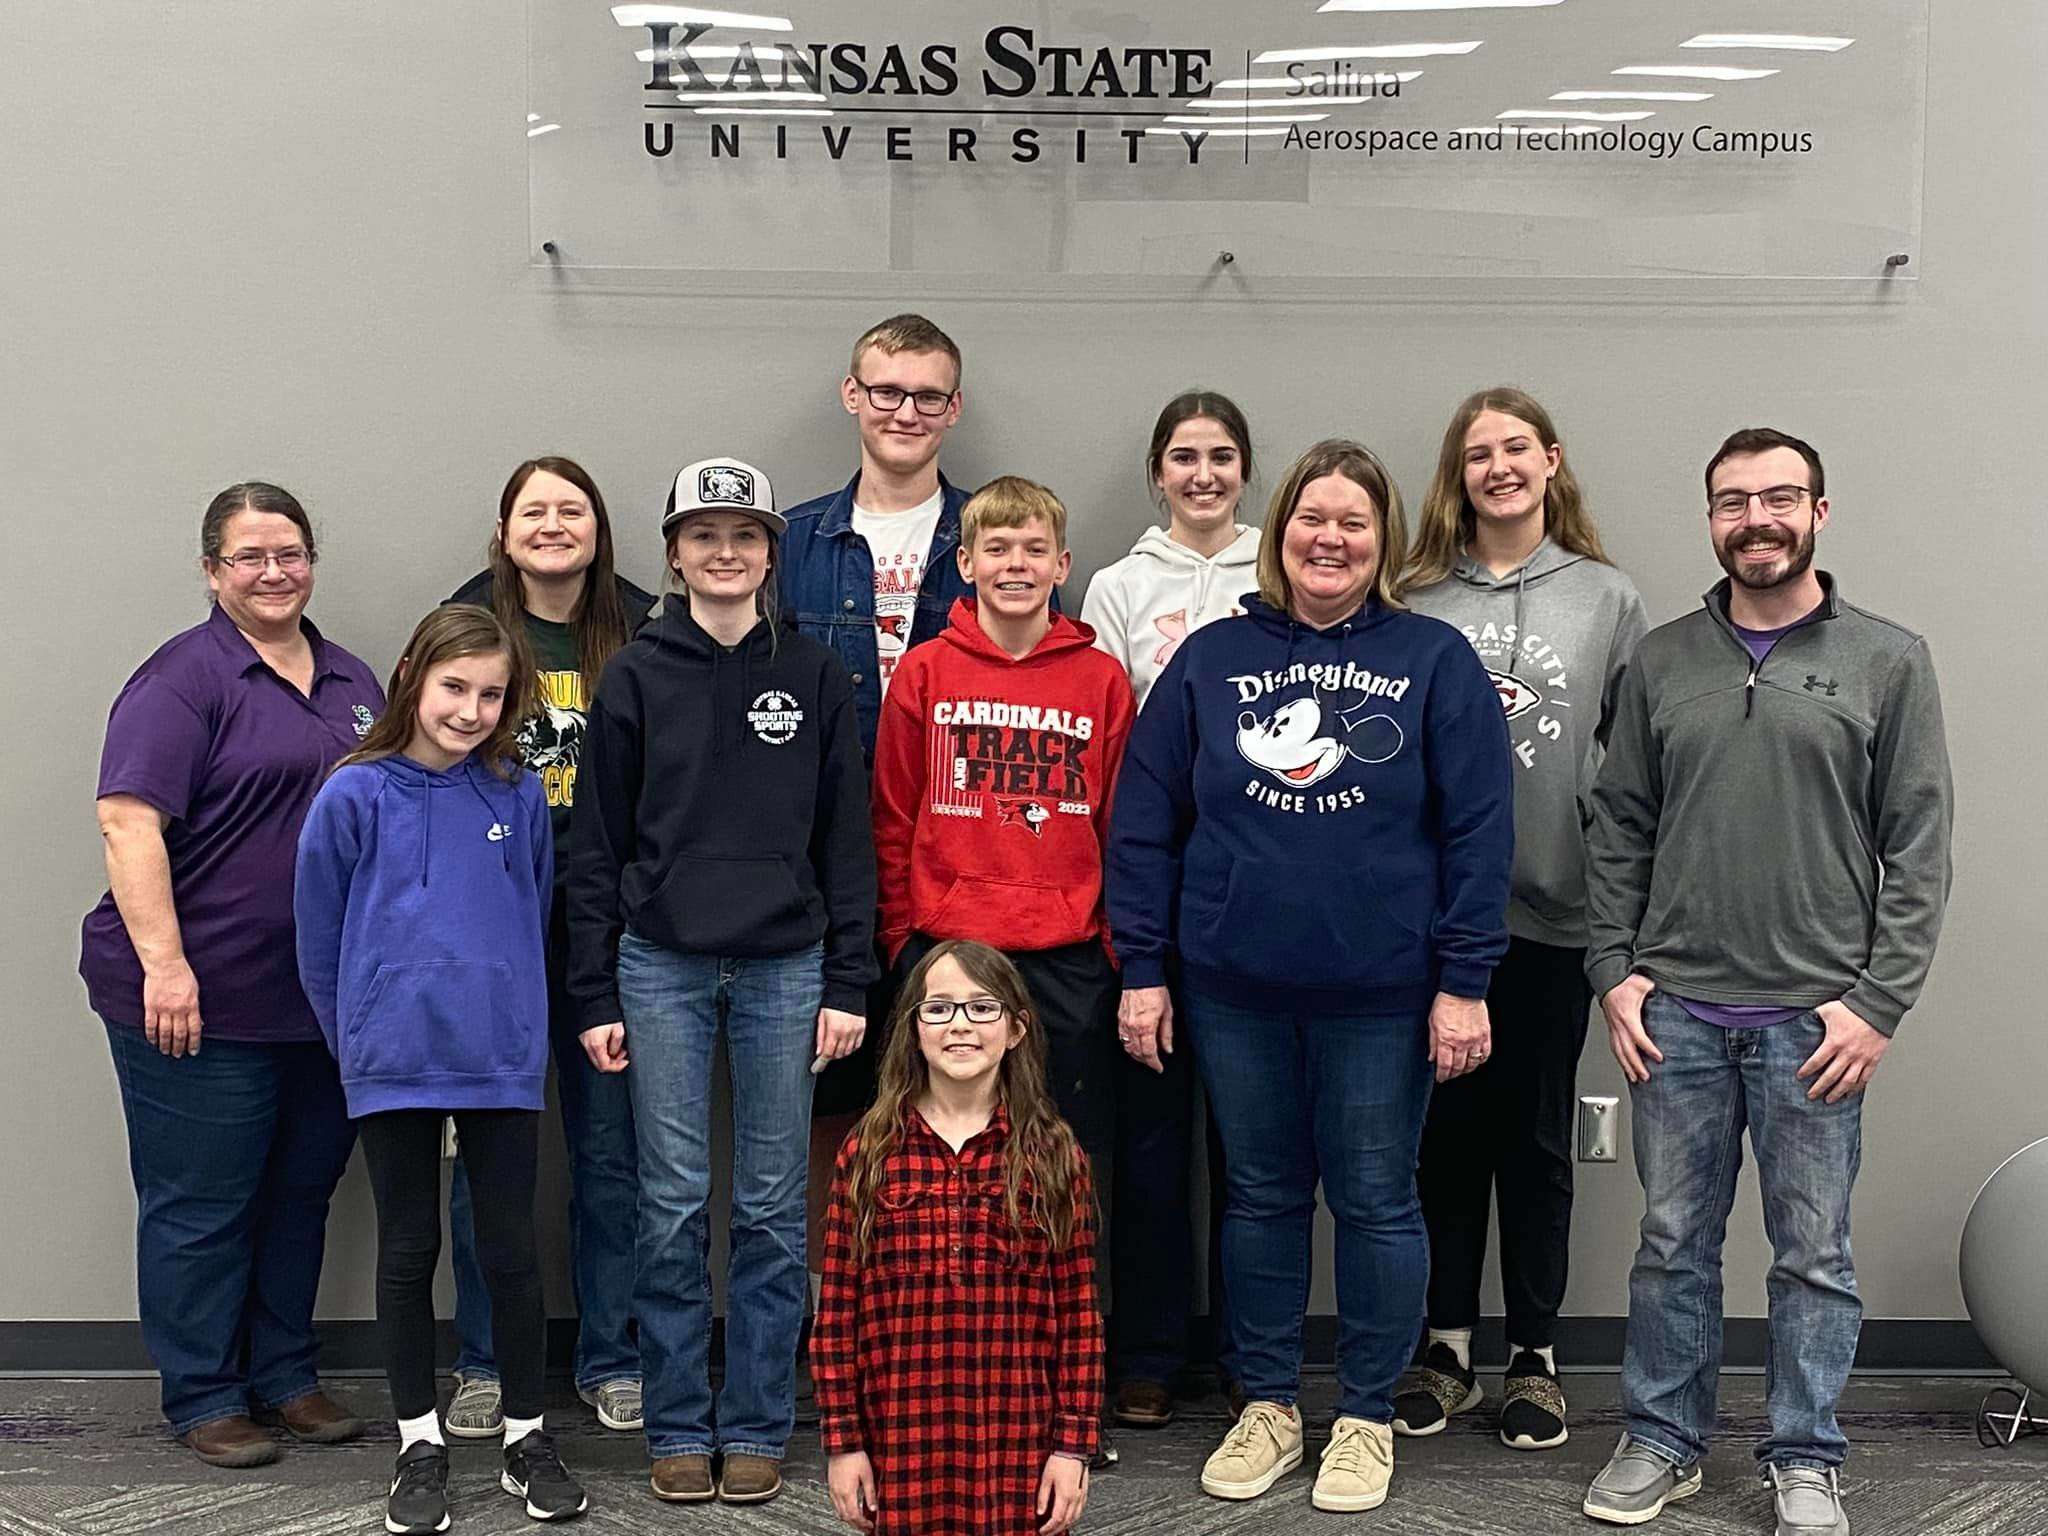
[424,874]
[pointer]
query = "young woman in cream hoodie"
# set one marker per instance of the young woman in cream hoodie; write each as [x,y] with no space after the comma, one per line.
[1174,580]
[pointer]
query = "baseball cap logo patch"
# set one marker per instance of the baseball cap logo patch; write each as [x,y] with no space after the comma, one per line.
[725,483]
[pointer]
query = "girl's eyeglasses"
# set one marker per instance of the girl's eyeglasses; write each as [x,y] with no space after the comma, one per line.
[942,1010]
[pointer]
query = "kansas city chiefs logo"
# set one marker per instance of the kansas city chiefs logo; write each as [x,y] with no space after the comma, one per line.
[1516,697]
[1028,814]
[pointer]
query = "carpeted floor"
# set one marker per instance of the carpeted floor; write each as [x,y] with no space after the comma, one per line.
[90,1458]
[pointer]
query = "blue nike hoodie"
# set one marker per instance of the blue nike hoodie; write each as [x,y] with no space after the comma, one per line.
[1316,818]
[422,903]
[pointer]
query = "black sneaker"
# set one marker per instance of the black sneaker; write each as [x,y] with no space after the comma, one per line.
[1532,1405]
[1438,1388]
[534,1472]
[1105,1455]
[419,1491]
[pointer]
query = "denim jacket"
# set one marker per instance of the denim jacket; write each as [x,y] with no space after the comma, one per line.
[826,578]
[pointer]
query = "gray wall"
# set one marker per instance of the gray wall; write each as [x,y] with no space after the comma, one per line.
[286,241]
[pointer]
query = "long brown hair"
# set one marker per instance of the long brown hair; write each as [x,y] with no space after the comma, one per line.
[1362,467]
[599,624]
[1445,526]
[450,633]
[1042,1159]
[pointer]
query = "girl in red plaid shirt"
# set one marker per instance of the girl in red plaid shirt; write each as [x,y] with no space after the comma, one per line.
[957,1349]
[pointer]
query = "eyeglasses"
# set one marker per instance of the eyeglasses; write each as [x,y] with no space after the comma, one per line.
[890,397]
[942,1010]
[254,562]
[1778,500]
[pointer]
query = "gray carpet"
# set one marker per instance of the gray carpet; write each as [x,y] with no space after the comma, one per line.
[90,1458]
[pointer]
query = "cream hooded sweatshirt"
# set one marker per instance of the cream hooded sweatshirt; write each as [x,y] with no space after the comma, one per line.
[1144,605]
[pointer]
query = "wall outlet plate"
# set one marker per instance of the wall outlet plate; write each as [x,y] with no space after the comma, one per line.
[1599,1128]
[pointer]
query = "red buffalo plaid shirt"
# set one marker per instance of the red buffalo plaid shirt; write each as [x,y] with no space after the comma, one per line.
[963,1352]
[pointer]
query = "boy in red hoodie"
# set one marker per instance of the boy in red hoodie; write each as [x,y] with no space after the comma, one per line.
[995,762]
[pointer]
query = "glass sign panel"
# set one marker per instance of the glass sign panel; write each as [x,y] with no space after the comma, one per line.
[1290,145]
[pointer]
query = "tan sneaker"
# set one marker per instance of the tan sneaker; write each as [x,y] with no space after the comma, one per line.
[1261,1448]
[1358,1463]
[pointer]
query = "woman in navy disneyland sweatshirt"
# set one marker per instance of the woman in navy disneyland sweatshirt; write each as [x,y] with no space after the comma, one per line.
[1315,812]
[424,873]
[721,883]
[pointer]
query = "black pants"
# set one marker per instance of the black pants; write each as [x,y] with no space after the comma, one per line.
[500,1150]
[1152,1262]
[1507,1128]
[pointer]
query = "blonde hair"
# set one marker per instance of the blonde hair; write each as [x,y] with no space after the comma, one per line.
[906,333]
[1361,466]
[1445,525]
[1010,501]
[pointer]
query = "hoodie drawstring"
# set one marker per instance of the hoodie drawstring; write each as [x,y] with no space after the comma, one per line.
[1515,650]
[426,825]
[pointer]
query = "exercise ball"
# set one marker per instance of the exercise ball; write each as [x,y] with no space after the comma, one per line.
[2004,1264]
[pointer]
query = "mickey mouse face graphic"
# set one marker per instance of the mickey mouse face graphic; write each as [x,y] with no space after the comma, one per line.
[1290,744]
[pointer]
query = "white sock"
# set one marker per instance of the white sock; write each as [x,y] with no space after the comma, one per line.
[817,1285]
[517,1430]
[1460,1341]
[412,1431]
[1547,1353]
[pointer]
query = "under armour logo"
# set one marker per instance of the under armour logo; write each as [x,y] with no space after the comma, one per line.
[1815,685]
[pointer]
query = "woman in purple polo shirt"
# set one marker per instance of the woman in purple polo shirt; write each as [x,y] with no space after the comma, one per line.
[237,1133]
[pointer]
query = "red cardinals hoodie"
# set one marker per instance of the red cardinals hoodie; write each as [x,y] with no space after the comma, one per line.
[992,786]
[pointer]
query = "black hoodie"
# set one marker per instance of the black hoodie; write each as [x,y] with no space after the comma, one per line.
[722,809]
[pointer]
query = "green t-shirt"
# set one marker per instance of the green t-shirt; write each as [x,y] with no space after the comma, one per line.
[552,740]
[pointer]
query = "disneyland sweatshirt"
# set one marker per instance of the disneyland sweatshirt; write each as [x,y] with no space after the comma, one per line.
[422,902]
[993,778]
[1316,818]
[1555,635]
[1143,607]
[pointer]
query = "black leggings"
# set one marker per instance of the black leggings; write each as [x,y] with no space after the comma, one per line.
[500,1148]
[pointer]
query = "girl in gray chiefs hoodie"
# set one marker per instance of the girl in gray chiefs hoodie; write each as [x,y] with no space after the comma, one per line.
[1507,554]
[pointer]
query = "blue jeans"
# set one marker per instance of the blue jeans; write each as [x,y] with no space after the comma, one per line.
[1298,1097]
[1689,1120]
[675,1005]
[235,1153]
[604,1191]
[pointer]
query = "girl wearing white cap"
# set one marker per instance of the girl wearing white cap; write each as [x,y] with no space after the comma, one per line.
[722,881]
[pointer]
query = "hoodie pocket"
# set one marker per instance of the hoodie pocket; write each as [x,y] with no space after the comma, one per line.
[1282,922]
[971,902]
[709,905]
[438,1016]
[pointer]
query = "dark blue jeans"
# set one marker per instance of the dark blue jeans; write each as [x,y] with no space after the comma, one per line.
[235,1153]
[676,1007]
[1300,1097]
[604,1191]
[1711,1086]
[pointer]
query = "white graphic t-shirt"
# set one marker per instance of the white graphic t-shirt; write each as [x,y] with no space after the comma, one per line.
[899,542]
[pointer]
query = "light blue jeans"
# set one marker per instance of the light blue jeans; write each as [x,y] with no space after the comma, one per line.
[675,1006]
[1689,1118]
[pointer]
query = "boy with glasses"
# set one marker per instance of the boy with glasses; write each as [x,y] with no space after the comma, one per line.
[1767,867]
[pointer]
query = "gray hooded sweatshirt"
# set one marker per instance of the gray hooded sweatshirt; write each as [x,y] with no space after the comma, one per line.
[1778,831]
[1555,633]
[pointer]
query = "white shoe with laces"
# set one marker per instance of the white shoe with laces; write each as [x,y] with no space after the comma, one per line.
[1261,1448]
[1358,1464]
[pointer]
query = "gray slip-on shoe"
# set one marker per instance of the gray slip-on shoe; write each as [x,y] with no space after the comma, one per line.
[1636,1484]
[1808,1501]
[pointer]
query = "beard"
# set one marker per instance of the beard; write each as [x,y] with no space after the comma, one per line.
[1762,579]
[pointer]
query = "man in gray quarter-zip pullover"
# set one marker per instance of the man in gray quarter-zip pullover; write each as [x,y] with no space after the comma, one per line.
[1767,866]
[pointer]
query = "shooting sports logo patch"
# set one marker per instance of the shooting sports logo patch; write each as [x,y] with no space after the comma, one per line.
[725,484]
[775,717]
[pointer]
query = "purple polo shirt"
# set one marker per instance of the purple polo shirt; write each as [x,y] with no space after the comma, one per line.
[232,754]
